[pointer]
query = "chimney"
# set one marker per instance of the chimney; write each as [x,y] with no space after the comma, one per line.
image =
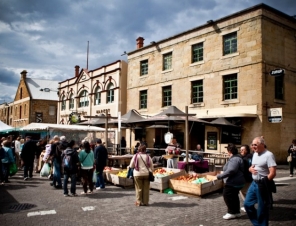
[24,75]
[76,71]
[140,42]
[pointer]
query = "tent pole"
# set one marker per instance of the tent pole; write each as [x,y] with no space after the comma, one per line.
[186,136]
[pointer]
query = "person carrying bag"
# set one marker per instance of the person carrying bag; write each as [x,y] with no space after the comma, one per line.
[143,166]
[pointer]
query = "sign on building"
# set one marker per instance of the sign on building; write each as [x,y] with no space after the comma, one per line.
[275,115]
[39,117]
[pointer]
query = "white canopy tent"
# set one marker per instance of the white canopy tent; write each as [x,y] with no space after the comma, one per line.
[61,127]
[4,126]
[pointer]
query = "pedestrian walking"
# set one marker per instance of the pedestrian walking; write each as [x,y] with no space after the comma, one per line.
[141,163]
[233,175]
[70,162]
[101,157]
[6,161]
[86,157]
[28,156]
[292,153]
[263,171]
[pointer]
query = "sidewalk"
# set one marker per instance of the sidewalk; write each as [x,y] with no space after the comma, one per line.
[41,204]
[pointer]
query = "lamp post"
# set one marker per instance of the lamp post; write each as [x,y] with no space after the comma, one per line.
[186,130]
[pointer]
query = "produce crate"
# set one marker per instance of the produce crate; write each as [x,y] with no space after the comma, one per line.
[196,189]
[162,183]
[107,176]
[122,181]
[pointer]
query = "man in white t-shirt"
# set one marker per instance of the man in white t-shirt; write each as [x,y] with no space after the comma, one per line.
[263,171]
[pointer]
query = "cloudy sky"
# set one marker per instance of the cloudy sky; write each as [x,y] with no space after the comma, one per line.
[48,38]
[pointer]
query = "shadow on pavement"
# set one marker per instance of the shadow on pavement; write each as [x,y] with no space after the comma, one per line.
[171,205]
[283,213]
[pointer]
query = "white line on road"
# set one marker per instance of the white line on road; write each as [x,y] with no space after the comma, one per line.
[178,198]
[88,208]
[38,213]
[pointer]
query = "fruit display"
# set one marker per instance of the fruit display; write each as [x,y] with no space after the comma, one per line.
[162,172]
[122,173]
[107,168]
[195,179]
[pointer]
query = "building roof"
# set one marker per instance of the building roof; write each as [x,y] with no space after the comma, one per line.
[41,89]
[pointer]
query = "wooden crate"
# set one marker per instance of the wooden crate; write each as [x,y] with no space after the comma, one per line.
[107,176]
[162,183]
[122,181]
[196,189]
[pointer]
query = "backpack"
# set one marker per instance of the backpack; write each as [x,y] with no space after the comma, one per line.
[67,163]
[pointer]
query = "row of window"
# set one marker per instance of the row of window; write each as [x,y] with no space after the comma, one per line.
[3,112]
[197,53]
[84,98]
[230,91]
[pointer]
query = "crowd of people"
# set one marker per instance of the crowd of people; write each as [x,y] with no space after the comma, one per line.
[245,173]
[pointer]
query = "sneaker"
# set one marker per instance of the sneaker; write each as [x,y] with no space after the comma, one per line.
[228,216]
[74,194]
[243,209]
[291,175]
[99,188]
[26,178]
[83,193]
[66,195]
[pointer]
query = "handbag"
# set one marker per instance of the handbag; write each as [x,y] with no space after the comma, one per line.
[12,169]
[289,158]
[45,171]
[151,176]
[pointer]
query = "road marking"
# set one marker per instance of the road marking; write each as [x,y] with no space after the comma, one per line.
[178,198]
[39,213]
[88,208]
[283,178]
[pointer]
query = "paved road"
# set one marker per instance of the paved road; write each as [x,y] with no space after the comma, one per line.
[115,206]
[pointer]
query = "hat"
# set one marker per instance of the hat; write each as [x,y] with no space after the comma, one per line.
[99,141]
[62,138]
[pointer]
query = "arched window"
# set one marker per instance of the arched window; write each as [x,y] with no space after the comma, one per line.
[63,103]
[98,96]
[110,93]
[83,99]
[71,102]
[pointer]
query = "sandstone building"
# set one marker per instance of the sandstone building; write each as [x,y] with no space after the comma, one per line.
[35,101]
[240,68]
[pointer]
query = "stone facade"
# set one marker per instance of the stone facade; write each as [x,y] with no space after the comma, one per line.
[265,41]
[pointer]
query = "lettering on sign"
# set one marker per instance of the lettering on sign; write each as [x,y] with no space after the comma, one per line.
[275,115]
[277,72]
[103,111]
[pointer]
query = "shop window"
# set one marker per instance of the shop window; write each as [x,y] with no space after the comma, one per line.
[230,87]
[197,91]
[230,43]
[143,99]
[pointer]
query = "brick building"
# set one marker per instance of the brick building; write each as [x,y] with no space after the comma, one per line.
[222,70]
[35,101]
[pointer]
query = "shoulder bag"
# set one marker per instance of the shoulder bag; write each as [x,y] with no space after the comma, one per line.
[151,176]
[289,158]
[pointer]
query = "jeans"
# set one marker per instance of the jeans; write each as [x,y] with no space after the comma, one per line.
[57,173]
[5,170]
[260,216]
[73,183]
[28,167]
[86,178]
[100,180]
[231,199]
